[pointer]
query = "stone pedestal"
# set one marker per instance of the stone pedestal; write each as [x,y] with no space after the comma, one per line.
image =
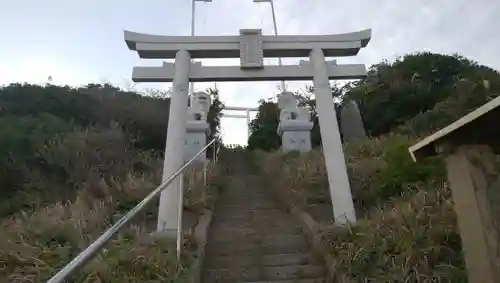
[295,135]
[197,127]
[351,123]
[295,125]
[196,139]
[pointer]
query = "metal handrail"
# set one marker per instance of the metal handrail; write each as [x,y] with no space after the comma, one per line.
[80,260]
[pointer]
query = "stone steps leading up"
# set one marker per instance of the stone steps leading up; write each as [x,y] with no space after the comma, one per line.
[253,239]
[240,212]
[266,273]
[265,239]
[248,206]
[256,248]
[317,280]
[272,226]
[227,232]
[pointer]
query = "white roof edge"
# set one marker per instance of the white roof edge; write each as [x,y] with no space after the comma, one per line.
[487,107]
[131,38]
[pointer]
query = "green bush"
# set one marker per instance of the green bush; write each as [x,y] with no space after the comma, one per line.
[401,172]
[69,162]
[393,93]
[20,137]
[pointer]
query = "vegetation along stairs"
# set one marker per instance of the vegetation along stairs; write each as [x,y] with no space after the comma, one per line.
[253,239]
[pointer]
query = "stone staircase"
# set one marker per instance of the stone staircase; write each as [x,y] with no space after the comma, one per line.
[253,239]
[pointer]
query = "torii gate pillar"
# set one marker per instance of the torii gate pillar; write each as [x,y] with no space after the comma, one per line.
[338,180]
[168,213]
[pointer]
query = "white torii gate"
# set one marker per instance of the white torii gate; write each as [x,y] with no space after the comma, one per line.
[237,108]
[251,47]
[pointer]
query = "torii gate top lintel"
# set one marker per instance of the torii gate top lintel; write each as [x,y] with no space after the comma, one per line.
[165,47]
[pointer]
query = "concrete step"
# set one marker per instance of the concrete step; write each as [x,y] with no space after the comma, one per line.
[278,225]
[239,210]
[316,280]
[257,248]
[246,260]
[292,272]
[270,239]
[224,232]
[252,214]
[248,206]
[255,221]
[239,195]
[227,199]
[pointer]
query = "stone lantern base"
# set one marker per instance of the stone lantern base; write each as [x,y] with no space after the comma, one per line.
[196,139]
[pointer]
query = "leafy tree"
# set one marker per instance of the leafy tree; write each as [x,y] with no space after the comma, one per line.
[33,117]
[394,92]
[143,116]
[214,116]
[264,127]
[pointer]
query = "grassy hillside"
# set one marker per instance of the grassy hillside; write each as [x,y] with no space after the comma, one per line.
[407,228]
[72,161]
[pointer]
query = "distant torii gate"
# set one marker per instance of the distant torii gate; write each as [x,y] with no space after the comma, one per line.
[237,108]
[251,47]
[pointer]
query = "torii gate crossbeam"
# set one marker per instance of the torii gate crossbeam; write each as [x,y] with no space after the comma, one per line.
[251,47]
[199,73]
[239,108]
[150,46]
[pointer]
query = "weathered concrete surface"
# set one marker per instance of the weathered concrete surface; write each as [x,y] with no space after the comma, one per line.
[253,239]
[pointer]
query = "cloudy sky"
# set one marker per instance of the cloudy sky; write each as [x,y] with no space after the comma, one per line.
[77,42]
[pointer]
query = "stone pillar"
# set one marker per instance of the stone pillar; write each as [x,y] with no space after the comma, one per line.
[351,123]
[197,127]
[294,126]
[176,133]
[340,190]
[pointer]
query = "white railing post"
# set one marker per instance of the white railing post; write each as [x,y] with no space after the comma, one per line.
[214,152]
[179,216]
[204,191]
[205,174]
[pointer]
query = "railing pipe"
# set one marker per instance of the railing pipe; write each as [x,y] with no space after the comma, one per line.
[180,208]
[85,256]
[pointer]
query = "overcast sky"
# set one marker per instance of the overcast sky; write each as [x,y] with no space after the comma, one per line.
[77,42]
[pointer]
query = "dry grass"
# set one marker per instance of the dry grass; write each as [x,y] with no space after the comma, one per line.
[110,178]
[407,241]
[407,231]
[379,170]
[34,246]
[301,180]
[197,196]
